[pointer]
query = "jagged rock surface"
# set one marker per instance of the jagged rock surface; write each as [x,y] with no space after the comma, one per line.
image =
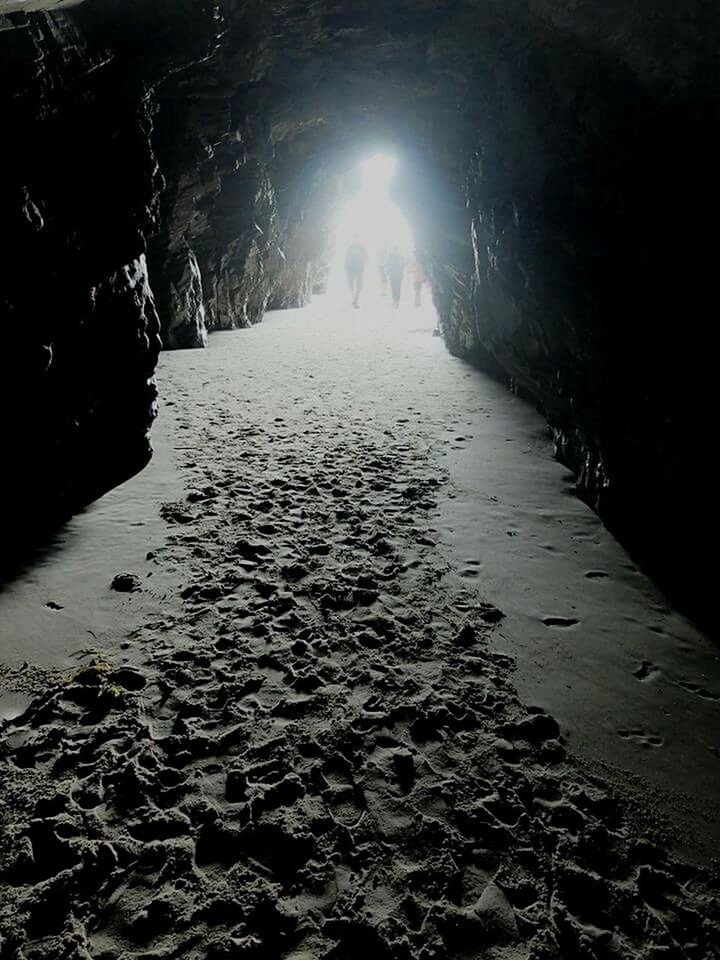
[79,190]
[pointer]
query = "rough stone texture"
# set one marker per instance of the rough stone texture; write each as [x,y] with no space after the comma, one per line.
[80,326]
[559,166]
[591,286]
[234,191]
[183,306]
[80,195]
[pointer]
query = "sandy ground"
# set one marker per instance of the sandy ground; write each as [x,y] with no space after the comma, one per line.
[300,734]
[60,609]
[631,682]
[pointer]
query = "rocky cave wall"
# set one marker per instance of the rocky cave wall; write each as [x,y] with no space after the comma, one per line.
[173,171]
[139,208]
[590,187]
[79,192]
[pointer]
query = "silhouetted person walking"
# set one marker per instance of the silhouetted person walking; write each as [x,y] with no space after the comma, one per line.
[382,269]
[395,270]
[419,279]
[355,260]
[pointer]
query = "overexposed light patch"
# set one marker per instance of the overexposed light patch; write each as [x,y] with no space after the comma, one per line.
[377,173]
[375,218]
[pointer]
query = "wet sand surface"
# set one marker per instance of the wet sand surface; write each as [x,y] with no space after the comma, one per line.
[322,723]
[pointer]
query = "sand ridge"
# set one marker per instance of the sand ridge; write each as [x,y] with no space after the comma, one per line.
[318,751]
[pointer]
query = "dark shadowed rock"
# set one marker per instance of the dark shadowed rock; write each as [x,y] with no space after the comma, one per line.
[184,311]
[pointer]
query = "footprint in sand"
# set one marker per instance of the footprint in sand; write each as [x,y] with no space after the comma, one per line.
[471,568]
[642,737]
[13,705]
[698,690]
[344,797]
[560,621]
[646,672]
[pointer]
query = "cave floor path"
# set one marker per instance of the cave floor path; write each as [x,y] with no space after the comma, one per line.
[299,733]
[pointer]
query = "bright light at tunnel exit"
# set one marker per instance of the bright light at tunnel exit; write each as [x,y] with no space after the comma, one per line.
[373,216]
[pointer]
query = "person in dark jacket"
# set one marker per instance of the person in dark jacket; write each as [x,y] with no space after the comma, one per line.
[355,260]
[396,270]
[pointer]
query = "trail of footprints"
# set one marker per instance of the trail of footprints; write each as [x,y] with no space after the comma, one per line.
[648,672]
[322,754]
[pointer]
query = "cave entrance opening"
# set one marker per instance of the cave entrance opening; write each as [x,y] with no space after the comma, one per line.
[371,215]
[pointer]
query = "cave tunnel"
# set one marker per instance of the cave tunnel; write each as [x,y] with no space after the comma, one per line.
[391,631]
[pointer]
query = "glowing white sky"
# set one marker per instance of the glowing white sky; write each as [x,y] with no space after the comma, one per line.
[373,215]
